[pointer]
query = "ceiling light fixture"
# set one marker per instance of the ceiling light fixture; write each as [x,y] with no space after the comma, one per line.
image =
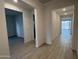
[64,9]
[15,1]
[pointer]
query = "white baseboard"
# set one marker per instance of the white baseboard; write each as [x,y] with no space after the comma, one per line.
[49,43]
[4,57]
[36,46]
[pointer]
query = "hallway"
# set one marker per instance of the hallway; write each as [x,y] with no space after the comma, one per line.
[60,49]
[39,38]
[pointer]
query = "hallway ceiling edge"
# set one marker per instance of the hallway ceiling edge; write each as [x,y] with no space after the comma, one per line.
[45,1]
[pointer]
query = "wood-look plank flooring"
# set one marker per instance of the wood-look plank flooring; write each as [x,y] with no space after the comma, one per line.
[60,49]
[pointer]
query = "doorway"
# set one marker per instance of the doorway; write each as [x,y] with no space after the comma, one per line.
[34,27]
[66,30]
[66,26]
[14,24]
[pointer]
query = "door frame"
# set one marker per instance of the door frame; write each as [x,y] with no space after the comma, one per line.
[18,12]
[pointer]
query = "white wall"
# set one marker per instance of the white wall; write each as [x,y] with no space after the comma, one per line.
[39,21]
[11,26]
[56,23]
[52,25]
[48,25]
[4,47]
[19,25]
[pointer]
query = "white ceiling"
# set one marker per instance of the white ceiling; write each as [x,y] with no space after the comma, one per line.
[55,1]
[20,3]
[69,11]
[45,1]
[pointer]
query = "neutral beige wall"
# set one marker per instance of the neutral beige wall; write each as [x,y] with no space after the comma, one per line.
[48,25]
[39,21]
[4,47]
[55,25]
[52,25]
[40,29]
